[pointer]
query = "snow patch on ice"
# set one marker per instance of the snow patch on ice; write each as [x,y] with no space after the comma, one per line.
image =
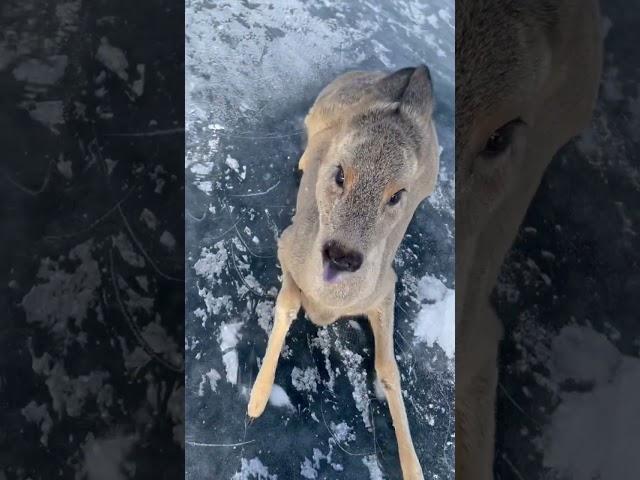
[39,414]
[357,376]
[228,339]
[49,113]
[309,467]
[40,72]
[342,432]
[323,342]
[127,252]
[371,462]
[279,398]
[305,380]
[232,163]
[253,469]
[212,261]
[113,58]
[149,219]
[168,240]
[212,377]
[573,441]
[435,323]
[202,169]
[106,458]
[264,311]
[69,293]
[379,390]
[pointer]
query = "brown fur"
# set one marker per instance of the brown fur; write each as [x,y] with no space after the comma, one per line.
[540,62]
[378,128]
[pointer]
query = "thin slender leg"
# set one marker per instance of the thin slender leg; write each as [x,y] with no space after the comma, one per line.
[476,383]
[287,307]
[381,320]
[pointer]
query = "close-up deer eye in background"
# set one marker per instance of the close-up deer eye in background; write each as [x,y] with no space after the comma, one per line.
[500,141]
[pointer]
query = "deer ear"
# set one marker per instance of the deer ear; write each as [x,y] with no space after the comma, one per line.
[411,88]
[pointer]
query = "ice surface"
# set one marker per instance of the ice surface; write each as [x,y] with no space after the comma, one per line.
[96,371]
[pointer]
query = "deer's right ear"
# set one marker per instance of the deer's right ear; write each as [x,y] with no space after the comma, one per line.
[411,88]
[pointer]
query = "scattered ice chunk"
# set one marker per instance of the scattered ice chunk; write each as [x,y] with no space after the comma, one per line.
[436,320]
[212,377]
[307,470]
[232,163]
[205,185]
[113,58]
[229,335]
[40,72]
[138,85]
[125,247]
[39,415]
[168,240]
[357,376]
[65,167]
[202,169]
[371,462]
[342,432]
[149,219]
[279,398]
[212,261]
[228,339]
[49,113]
[583,355]
[230,360]
[305,380]
[379,390]
[253,469]
[264,311]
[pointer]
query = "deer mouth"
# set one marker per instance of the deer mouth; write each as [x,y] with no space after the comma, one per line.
[330,274]
[337,260]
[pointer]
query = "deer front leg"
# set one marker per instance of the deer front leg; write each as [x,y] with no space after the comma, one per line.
[286,309]
[381,320]
[476,383]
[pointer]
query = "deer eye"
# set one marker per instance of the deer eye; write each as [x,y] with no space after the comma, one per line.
[396,197]
[340,177]
[500,140]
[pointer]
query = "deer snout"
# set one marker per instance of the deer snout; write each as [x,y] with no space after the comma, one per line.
[340,258]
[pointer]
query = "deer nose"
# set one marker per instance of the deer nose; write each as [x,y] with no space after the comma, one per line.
[341,258]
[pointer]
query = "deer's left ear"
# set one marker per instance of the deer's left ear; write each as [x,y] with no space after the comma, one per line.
[411,88]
